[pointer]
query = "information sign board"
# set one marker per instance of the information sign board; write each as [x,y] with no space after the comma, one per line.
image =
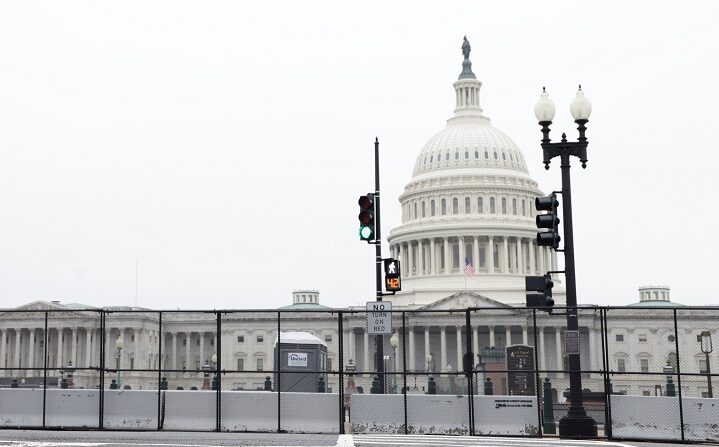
[520,364]
[571,342]
[379,318]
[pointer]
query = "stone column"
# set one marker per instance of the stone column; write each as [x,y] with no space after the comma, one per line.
[505,255]
[525,338]
[412,360]
[475,252]
[475,343]
[420,257]
[492,341]
[540,256]
[410,259]
[31,352]
[554,259]
[459,349]
[366,366]
[540,349]
[520,256]
[174,349]
[202,348]
[3,352]
[426,344]
[433,257]
[558,338]
[73,347]
[443,347]
[88,347]
[16,360]
[188,356]
[532,265]
[592,350]
[508,335]
[447,261]
[490,254]
[402,260]
[59,347]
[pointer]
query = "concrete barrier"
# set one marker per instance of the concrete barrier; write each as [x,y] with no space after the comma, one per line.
[20,407]
[443,414]
[657,417]
[130,409]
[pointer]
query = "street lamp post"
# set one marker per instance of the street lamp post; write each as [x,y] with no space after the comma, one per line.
[705,338]
[394,342]
[119,344]
[576,423]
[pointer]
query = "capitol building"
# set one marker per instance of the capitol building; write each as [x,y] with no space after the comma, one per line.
[470,200]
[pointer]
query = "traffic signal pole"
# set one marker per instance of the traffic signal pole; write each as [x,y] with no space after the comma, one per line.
[379,340]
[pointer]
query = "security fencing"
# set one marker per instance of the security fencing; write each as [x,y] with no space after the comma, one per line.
[646,373]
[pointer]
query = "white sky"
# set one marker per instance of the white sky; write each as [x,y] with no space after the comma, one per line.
[224,144]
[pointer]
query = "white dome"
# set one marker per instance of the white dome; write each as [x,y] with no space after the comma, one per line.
[470,142]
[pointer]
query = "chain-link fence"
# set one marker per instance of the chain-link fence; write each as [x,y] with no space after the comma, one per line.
[643,373]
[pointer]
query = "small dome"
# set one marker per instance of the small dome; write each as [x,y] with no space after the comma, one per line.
[470,142]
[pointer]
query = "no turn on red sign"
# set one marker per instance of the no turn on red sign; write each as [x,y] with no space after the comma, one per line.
[379,318]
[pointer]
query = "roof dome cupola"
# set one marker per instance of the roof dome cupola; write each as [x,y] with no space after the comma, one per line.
[467,87]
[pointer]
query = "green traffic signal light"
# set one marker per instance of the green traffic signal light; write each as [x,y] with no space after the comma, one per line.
[366,217]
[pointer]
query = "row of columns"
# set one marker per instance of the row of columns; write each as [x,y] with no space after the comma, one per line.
[461,345]
[498,257]
[467,96]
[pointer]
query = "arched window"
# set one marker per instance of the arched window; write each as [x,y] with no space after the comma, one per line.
[415,210]
[491,205]
[511,157]
[480,205]
[476,155]
[424,209]
[431,158]
[455,206]
[486,155]
[431,207]
[466,155]
[482,255]
[495,252]
[504,156]
[514,206]
[467,205]
[446,157]
[524,208]
[456,155]
[444,206]
[495,155]
[455,256]
[504,205]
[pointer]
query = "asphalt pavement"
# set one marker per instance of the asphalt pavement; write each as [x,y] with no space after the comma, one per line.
[49,438]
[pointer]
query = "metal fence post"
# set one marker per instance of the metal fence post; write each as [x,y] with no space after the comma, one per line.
[103,339]
[404,369]
[340,391]
[468,366]
[536,374]
[605,375]
[278,367]
[679,373]
[218,399]
[44,374]
[159,373]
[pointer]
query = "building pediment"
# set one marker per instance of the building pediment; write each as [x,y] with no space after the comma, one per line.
[35,306]
[466,299]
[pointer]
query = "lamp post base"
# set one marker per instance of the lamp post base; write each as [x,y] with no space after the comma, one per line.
[577,427]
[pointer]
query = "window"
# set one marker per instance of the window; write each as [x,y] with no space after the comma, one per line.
[132,363]
[495,155]
[240,364]
[504,205]
[240,339]
[446,157]
[466,155]
[514,206]
[524,208]
[480,205]
[431,208]
[212,341]
[476,155]
[415,210]
[619,337]
[132,337]
[482,256]
[184,342]
[504,156]
[260,338]
[455,206]
[491,205]
[621,365]
[644,365]
[486,155]
[642,338]
[260,364]
[197,342]
[456,155]
[328,338]
[424,209]
[444,206]
[467,206]
[431,158]
[329,364]
[646,393]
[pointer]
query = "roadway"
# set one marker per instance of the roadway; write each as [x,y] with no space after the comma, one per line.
[47,438]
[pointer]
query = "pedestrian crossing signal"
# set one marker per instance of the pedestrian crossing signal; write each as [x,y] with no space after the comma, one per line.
[392,279]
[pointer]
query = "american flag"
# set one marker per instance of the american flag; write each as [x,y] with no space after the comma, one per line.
[468,268]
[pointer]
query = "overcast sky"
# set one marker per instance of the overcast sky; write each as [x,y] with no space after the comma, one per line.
[224,144]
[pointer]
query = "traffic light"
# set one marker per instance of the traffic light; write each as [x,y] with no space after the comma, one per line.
[542,284]
[366,217]
[549,220]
